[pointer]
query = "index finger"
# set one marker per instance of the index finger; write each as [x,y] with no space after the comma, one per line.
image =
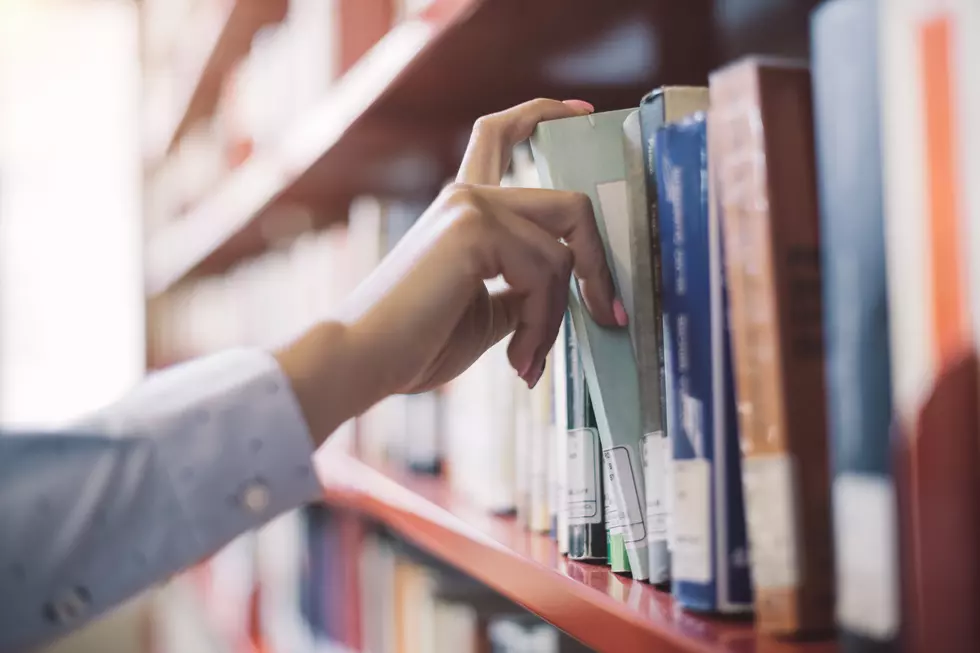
[569,216]
[495,135]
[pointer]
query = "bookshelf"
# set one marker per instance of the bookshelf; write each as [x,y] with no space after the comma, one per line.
[602,609]
[227,36]
[395,124]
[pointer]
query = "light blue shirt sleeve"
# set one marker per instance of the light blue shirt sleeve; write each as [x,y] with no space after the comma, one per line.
[195,456]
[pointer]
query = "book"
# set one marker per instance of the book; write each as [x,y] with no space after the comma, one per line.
[709,561]
[846,107]
[659,107]
[542,437]
[929,88]
[585,154]
[560,388]
[643,310]
[585,491]
[767,185]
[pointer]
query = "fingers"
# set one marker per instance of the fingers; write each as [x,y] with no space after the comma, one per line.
[537,269]
[546,295]
[494,136]
[568,216]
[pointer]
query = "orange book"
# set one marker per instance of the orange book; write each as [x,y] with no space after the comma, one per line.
[930,227]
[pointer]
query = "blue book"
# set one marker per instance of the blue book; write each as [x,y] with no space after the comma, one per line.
[710,570]
[855,300]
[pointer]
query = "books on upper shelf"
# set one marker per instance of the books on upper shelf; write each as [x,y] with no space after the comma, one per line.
[929,101]
[847,124]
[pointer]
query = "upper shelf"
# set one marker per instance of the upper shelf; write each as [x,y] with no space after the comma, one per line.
[605,611]
[396,123]
[229,41]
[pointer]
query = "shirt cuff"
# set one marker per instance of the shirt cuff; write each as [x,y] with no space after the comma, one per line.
[230,433]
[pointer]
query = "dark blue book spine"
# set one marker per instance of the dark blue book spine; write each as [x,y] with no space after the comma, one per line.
[846,119]
[710,570]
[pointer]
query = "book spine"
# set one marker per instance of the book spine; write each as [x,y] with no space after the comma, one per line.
[587,535]
[929,236]
[705,546]
[731,532]
[645,329]
[659,493]
[847,127]
[768,191]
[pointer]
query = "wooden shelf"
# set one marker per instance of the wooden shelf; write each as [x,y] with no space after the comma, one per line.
[396,123]
[605,611]
[228,43]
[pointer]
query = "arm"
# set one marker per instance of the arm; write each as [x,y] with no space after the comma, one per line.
[194,457]
[200,453]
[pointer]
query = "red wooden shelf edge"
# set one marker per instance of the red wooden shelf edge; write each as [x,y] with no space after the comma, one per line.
[605,611]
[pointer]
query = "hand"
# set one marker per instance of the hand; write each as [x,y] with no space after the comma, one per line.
[425,314]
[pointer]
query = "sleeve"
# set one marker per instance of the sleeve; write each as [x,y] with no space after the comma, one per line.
[195,456]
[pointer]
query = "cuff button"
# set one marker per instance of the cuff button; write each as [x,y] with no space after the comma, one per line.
[255,497]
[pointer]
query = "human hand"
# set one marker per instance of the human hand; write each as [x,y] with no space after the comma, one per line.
[425,314]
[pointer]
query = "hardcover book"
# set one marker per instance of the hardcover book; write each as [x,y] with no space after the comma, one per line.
[585,154]
[764,154]
[663,105]
[844,52]
[584,490]
[709,558]
[929,108]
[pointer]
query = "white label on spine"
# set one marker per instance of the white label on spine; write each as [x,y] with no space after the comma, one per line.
[770,497]
[691,558]
[583,477]
[656,456]
[623,465]
[867,559]
[612,508]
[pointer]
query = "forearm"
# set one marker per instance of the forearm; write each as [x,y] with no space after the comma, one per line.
[193,457]
[334,375]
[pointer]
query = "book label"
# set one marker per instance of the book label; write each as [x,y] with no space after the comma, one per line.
[768,482]
[692,521]
[867,569]
[613,516]
[583,477]
[656,453]
[627,492]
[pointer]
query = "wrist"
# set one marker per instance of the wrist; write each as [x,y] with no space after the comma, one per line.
[332,376]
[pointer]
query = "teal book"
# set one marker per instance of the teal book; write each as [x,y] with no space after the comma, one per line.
[585,154]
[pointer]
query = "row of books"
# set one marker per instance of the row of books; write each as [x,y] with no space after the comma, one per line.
[290,66]
[320,580]
[796,255]
[402,600]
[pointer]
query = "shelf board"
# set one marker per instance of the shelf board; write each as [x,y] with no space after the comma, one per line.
[606,611]
[228,43]
[396,123]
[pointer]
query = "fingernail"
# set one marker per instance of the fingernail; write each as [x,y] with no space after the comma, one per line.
[580,104]
[524,369]
[533,381]
[619,312]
